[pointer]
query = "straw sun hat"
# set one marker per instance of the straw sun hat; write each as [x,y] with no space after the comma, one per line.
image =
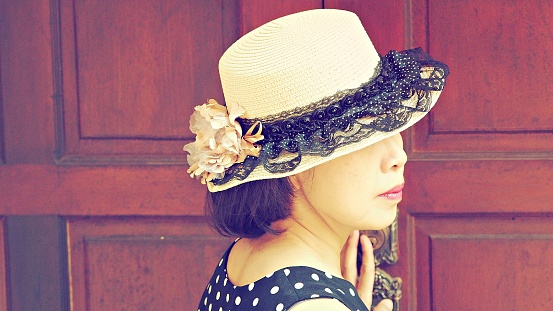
[302,90]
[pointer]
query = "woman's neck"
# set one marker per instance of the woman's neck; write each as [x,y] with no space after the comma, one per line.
[319,238]
[306,239]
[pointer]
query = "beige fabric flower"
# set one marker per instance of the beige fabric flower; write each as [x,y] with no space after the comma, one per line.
[219,142]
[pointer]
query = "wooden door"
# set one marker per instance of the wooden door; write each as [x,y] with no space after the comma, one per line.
[97,212]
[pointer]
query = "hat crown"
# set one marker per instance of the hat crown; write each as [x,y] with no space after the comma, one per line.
[297,60]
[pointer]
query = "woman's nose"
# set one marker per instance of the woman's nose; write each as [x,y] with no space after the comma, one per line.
[394,156]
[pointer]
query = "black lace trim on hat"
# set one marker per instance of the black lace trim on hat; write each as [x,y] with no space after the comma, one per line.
[384,104]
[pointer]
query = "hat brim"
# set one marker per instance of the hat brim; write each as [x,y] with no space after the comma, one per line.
[404,88]
[309,161]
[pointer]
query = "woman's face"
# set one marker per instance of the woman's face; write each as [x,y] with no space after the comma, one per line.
[360,190]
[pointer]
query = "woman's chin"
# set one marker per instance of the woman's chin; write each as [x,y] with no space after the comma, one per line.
[383,220]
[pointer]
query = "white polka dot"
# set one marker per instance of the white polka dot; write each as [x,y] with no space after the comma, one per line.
[298,285]
[328,290]
[205,301]
[328,275]
[280,307]
[210,305]
[274,290]
[351,292]
[217,280]
[287,272]
[314,296]
[250,287]
[228,297]
[315,277]
[220,308]
[221,262]
[255,302]
[218,295]
[341,291]
[225,282]
[237,300]
[269,275]
[209,289]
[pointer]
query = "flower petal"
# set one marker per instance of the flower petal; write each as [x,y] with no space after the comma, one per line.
[219,143]
[234,111]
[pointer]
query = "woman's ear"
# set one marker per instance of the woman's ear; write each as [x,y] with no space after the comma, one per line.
[298,180]
[295,182]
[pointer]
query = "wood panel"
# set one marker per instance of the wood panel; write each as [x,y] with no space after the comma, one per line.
[25,76]
[479,187]
[132,73]
[36,263]
[100,190]
[505,255]
[140,263]
[3,276]
[497,99]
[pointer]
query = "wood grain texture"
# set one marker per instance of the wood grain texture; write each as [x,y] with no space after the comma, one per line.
[478,187]
[26,82]
[132,190]
[503,255]
[138,75]
[490,53]
[141,263]
[36,263]
[132,73]
[496,99]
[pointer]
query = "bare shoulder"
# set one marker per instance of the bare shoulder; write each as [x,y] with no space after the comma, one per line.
[321,304]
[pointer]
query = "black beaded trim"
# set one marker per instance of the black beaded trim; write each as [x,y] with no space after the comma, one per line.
[333,122]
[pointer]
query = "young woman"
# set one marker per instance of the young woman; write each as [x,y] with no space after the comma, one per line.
[305,153]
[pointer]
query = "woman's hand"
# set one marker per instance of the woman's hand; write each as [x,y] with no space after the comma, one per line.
[364,283]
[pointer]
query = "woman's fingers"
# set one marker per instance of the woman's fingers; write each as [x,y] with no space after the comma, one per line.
[349,258]
[363,279]
[366,275]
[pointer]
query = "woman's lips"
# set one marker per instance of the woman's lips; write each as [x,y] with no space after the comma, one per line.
[396,193]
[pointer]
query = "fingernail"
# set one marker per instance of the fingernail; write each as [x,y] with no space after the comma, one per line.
[388,304]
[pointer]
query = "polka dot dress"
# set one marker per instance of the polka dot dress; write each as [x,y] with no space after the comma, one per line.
[277,291]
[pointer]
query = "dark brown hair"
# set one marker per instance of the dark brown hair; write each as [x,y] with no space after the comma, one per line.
[249,209]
